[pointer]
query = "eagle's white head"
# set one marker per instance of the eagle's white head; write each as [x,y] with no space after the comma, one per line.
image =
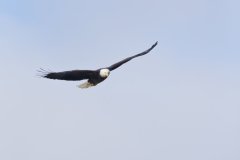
[104,73]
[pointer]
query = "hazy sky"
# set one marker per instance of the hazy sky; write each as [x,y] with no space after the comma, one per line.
[180,102]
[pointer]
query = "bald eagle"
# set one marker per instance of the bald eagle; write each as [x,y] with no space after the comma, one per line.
[93,77]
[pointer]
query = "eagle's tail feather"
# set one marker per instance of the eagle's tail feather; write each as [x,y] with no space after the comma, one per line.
[85,85]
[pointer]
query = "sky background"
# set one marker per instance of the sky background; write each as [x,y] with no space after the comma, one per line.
[181,101]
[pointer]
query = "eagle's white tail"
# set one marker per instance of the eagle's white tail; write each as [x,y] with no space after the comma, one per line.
[85,85]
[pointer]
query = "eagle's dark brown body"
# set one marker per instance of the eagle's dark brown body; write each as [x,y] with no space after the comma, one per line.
[93,76]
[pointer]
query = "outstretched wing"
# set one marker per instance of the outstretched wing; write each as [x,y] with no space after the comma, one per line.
[118,64]
[74,75]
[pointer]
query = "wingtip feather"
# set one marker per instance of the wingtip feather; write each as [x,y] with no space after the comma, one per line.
[42,73]
[154,44]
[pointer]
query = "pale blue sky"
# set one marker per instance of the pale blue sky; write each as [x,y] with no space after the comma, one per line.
[181,101]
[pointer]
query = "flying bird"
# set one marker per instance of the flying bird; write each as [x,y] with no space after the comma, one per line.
[93,77]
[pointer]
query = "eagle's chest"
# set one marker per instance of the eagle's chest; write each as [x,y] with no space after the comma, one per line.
[96,79]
